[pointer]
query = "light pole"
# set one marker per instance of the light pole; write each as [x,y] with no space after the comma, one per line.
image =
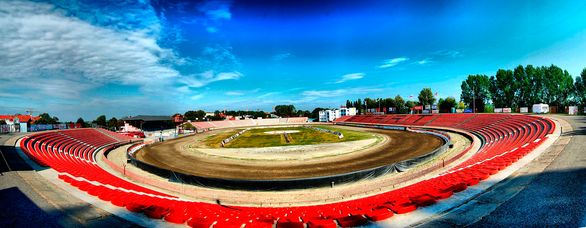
[473,100]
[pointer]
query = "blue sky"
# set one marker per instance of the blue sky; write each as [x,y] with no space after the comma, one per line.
[86,58]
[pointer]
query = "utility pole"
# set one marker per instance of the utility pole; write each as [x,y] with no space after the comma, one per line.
[473,100]
[365,107]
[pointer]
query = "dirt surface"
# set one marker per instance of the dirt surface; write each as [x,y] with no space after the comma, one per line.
[287,198]
[172,155]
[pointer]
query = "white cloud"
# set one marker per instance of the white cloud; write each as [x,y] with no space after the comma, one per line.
[448,53]
[197,97]
[66,56]
[424,61]
[242,92]
[392,62]
[39,44]
[281,56]
[348,77]
[269,94]
[234,93]
[207,77]
[339,92]
[215,12]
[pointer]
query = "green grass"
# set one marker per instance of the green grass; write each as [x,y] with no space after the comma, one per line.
[349,135]
[214,141]
[305,136]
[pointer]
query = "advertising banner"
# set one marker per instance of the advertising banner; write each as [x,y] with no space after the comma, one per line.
[507,110]
[498,110]
[524,109]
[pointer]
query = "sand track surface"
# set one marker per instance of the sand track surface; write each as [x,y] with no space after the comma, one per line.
[391,146]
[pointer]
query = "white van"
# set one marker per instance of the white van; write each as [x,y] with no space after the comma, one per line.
[540,108]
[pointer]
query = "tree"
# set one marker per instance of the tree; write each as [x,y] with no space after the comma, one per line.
[556,85]
[523,88]
[445,105]
[190,115]
[580,87]
[400,104]
[503,89]
[349,104]
[217,116]
[2,122]
[426,97]
[198,115]
[45,118]
[113,123]
[475,91]
[539,92]
[315,113]
[101,121]
[359,106]
[188,126]
[410,104]
[81,122]
[285,110]
[461,105]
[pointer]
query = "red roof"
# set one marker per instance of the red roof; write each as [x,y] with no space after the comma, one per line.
[21,118]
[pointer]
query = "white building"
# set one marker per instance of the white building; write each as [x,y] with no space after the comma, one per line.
[347,111]
[330,115]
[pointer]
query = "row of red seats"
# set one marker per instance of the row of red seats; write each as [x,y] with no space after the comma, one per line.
[452,120]
[119,137]
[512,137]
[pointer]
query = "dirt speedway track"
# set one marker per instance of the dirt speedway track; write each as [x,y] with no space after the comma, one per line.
[397,146]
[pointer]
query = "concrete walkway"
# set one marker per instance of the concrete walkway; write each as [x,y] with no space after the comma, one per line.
[550,191]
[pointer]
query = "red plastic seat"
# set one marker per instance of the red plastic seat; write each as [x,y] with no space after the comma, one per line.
[352,221]
[379,214]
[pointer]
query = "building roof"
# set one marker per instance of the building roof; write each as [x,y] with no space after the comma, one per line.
[149,118]
[21,118]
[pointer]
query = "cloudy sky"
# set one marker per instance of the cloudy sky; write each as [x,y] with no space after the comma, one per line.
[86,58]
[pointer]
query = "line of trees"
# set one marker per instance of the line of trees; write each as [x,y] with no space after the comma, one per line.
[523,87]
[291,111]
[45,118]
[425,97]
[100,121]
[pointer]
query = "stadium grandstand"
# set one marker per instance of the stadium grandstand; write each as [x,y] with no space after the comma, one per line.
[292,114]
[504,140]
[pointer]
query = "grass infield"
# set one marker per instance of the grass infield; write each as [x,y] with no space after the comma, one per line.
[306,136]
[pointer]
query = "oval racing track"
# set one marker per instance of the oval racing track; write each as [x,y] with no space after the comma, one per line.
[402,145]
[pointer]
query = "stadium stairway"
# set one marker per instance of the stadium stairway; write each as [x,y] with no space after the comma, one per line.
[506,139]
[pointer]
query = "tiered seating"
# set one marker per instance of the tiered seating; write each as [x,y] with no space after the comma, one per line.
[115,135]
[343,119]
[266,122]
[506,138]
[297,120]
[451,120]
[248,122]
[202,125]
